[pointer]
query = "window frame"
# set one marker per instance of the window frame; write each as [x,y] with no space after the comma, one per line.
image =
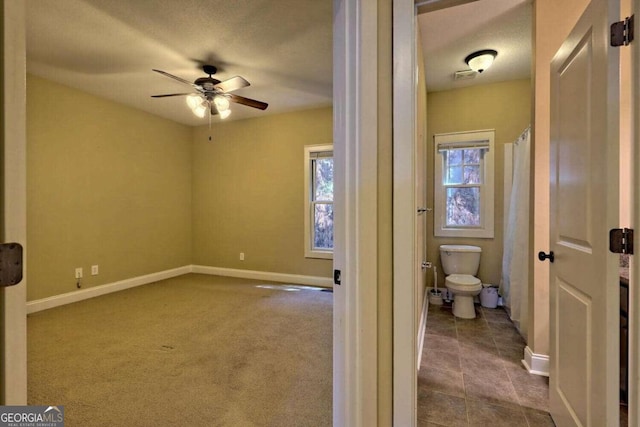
[309,203]
[460,140]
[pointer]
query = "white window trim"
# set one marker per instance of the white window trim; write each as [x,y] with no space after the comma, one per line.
[486,229]
[309,251]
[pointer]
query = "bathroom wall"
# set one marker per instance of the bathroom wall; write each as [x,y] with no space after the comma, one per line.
[421,175]
[505,107]
[107,185]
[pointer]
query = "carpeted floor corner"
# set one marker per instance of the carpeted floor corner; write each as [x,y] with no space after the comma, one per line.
[195,350]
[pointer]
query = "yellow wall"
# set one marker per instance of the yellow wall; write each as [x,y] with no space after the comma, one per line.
[553,20]
[505,107]
[248,192]
[107,185]
[112,186]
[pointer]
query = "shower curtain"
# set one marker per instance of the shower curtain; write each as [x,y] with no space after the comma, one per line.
[515,257]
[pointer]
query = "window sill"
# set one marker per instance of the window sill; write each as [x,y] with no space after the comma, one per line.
[471,234]
[318,255]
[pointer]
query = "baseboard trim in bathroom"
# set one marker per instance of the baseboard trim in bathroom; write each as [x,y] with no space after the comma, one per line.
[83,294]
[324,282]
[423,325]
[537,364]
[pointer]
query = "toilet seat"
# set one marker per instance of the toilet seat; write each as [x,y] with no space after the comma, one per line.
[463,281]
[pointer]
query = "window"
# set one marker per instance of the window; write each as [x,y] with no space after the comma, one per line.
[318,212]
[463,194]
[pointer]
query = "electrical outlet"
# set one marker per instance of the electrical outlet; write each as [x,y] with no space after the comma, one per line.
[94,270]
[79,273]
[241,256]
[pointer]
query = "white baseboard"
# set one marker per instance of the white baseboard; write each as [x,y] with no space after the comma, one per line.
[537,364]
[82,294]
[325,282]
[423,325]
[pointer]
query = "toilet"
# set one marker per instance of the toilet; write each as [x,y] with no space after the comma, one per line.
[460,265]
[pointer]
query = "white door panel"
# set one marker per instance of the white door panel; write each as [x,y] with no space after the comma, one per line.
[584,206]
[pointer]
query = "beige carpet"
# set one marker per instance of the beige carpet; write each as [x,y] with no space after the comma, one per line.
[190,351]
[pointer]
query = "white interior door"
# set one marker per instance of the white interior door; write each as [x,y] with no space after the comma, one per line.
[584,282]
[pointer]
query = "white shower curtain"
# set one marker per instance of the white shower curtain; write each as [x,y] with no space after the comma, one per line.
[515,257]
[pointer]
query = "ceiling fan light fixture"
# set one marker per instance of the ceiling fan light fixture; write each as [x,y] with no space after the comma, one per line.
[481,60]
[194,100]
[200,110]
[222,103]
[224,114]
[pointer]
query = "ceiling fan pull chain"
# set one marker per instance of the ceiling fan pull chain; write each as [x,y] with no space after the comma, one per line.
[209,126]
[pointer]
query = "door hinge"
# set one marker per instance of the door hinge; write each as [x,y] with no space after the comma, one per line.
[10,264]
[622,32]
[337,277]
[621,241]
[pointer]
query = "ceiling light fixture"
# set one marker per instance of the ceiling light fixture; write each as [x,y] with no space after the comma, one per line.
[481,60]
[222,103]
[200,105]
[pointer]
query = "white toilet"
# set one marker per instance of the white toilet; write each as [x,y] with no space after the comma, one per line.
[460,265]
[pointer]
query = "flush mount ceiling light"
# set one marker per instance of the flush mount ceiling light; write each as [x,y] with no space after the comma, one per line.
[481,60]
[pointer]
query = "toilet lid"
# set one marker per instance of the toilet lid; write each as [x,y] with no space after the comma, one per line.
[463,279]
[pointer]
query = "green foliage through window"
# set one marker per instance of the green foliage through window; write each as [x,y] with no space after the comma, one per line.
[322,203]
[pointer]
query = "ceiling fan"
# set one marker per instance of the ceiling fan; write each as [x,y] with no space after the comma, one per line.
[212,94]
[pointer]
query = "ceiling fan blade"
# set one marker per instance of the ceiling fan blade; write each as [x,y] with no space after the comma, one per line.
[248,102]
[180,79]
[170,94]
[234,83]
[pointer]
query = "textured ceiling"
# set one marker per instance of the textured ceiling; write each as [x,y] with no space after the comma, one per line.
[108,48]
[282,47]
[449,35]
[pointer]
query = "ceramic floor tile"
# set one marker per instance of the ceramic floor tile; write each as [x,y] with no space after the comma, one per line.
[429,424]
[496,391]
[442,343]
[483,364]
[473,324]
[519,375]
[483,415]
[497,317]
[537,418]
[482,361]
[444,360]
[532,397]
[511,354]
[442,328]
[447,382]
[480,345]
[442,409]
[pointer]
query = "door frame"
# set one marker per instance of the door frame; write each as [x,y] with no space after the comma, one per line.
[355,148]
[634,267]
[13,304]
[405,374]
[355,86]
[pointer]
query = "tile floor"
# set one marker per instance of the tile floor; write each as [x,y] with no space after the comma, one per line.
[471,374]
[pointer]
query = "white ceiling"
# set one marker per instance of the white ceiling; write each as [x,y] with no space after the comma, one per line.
[283,47]
[449,35]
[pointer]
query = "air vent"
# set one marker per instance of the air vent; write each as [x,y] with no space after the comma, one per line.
[464,75]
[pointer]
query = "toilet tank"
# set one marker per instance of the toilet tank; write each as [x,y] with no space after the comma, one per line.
[460,259]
